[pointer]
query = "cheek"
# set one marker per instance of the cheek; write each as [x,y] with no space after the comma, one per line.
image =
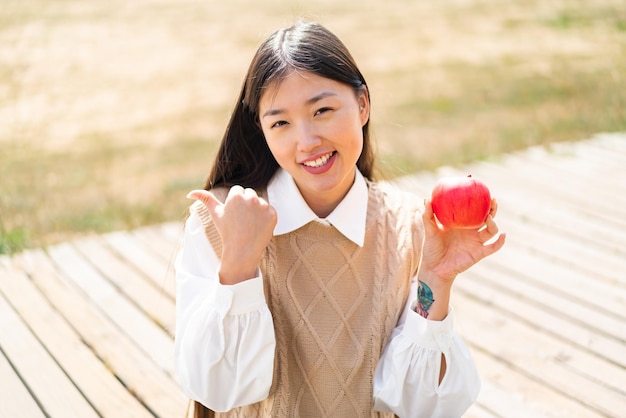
[278,148]
[356,137]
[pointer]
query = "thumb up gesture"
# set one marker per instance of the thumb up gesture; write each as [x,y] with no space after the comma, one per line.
[245,223]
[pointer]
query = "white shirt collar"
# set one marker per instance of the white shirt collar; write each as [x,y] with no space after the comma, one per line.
[293,212]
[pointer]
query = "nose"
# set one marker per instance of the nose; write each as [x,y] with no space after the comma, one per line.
[308,138]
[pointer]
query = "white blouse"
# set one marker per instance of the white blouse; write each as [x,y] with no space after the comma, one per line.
[224,346]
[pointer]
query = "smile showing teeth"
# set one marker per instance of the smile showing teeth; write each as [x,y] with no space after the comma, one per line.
[320,161]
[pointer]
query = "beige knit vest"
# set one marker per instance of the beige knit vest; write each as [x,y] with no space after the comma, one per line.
[334,306]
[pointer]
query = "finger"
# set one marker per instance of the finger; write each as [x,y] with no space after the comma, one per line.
[494,208]
[207,198]
[252,195]
[248,192]
[496,245]
[236,190]
[428,217]
[491,230]
[428,207]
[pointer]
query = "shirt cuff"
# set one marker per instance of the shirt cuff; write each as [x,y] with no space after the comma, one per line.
[432,335]
[244,297]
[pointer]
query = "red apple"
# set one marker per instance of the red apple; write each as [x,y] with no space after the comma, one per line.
[461,202]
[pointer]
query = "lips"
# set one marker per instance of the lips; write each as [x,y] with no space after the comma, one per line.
[320,161]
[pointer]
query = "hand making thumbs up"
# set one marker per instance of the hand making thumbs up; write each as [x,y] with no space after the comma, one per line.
[245,223]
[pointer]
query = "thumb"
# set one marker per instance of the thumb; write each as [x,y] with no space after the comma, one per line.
[428,216]
[207,198]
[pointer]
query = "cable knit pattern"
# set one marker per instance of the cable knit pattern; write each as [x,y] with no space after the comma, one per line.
[334,306]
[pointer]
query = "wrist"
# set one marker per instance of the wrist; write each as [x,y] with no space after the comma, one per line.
[233,273]
[433,296]
[236,267]
[436,275]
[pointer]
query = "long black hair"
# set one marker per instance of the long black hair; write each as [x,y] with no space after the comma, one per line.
[243,157]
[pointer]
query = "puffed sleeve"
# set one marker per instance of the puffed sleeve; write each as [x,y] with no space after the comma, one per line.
[224,344]
[406,380]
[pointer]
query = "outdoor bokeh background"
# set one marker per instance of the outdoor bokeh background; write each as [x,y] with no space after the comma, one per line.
[110,110]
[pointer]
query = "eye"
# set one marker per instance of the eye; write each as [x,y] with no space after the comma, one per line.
[278,124]
[322,110]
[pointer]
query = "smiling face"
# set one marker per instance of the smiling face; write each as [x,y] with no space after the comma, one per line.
[313,127]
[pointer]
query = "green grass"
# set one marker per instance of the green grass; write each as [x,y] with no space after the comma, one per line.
[499,108]
[13,241]
[51,196]
[574,17]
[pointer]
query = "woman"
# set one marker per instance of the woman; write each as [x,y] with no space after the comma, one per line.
[299,276]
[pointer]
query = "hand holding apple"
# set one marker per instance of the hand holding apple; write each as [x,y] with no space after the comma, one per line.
[465,209]
[461,202]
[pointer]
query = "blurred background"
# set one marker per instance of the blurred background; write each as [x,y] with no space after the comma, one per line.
[110,111]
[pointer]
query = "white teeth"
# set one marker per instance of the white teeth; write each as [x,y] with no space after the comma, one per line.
[319,162]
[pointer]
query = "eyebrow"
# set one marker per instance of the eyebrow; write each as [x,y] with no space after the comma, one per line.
[312,100]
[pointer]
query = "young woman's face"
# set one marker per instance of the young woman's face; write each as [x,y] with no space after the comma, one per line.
[313,127]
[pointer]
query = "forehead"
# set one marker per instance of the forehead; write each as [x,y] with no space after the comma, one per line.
[299,87]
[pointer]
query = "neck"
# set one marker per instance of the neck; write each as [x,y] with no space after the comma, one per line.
[324,197]
[322,210]
[324,203]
